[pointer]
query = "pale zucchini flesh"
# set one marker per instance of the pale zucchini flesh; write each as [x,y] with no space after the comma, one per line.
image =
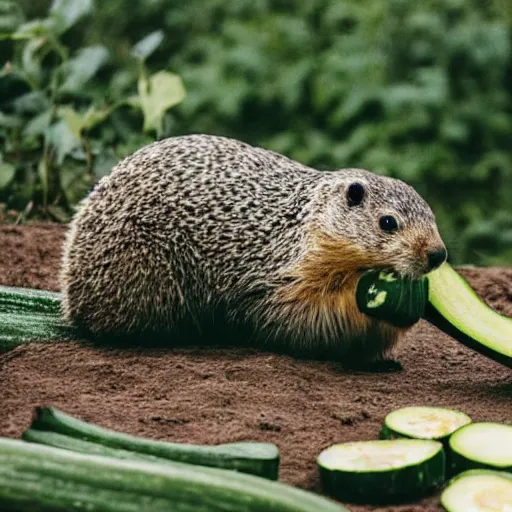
[423,423]
[377,471]
[479,491]
[481,445]
[459,311]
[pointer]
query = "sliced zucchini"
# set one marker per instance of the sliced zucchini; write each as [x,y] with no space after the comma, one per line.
[479,490]
[457,310]
[481,445]
[40,478]
[399,301]
[379,471]
[423,423]
[261,459]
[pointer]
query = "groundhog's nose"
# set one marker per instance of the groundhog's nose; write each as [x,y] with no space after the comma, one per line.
[436,257]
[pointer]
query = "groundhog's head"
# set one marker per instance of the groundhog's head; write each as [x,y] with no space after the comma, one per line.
[384,220]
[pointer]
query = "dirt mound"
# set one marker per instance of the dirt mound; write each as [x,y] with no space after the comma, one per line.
[213,395]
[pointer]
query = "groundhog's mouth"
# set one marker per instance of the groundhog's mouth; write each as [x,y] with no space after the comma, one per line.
[414,272]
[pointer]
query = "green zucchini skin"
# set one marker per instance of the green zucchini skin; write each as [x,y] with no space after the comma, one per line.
[30,315]
[459,464]
[261,459]
[382,487]
[404,299]
[39,478]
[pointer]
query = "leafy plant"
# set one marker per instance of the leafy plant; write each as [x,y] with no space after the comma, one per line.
[67,115]
[421,91]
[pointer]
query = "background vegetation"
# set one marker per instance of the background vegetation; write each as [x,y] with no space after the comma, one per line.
[417,90]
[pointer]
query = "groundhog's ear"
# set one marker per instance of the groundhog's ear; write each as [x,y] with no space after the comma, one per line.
[355,194]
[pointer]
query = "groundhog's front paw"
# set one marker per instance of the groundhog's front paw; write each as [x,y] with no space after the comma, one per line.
[380,366]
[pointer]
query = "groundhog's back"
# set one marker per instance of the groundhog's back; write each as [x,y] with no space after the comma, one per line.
[179,225]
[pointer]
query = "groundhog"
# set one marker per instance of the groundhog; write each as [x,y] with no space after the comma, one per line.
[199,233]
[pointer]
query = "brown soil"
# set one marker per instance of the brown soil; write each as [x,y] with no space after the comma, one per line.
[214,396]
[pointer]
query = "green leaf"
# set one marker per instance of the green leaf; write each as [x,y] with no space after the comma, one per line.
[74,181]
[38,125]
[62,140]
[34,28]
[95,116]
[43,174]
[31,104]
[157,94]
[69,12]
[83,67]
[74,120]
[10,122]
[30,61]
[145,47]
[10,16]
[7,172]
[104,163]
[78,122]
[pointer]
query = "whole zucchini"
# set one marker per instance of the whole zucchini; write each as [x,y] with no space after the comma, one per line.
[30,315]
[261,459]
[41,478]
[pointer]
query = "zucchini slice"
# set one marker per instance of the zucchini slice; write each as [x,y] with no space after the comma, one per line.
[423,423]
[481,445]
[261,459]
[386,296]
[379,471]
[35,477]
[479,491]
[456,309]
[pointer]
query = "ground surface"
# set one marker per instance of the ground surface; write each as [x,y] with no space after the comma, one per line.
[213,396]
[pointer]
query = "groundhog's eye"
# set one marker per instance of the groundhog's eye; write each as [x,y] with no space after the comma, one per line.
[388,223]
[355,194]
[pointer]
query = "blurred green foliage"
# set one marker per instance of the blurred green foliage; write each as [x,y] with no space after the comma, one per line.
[67,112]
[421,91]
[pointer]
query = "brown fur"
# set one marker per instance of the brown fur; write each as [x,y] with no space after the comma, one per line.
[324,285]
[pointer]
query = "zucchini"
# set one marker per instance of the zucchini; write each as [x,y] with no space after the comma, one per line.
[457,310]
[483,445]
[423,423]
[260,459]
[444,299]
[30,315]
[40,478]
[478,490]
[379,471]
[386,296]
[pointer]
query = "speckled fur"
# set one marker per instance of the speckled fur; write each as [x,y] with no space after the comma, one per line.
[203,227]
